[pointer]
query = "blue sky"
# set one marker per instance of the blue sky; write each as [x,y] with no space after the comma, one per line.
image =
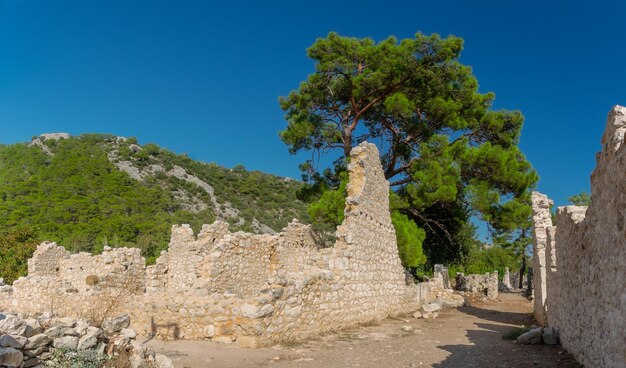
[203,77]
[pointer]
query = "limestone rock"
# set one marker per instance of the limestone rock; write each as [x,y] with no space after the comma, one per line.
[12,325]
[129,332]
[61,322]
[116,324]
[162,361]
[90,339]
[531,337]
[417,315]
[10,357]
[37,341]
[32,328]
[66,342]
[60,331]
[13,341]
[430,308]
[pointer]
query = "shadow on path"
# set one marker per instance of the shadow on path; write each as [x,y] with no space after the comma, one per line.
[488,349]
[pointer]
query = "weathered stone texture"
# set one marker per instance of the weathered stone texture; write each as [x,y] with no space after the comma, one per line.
[586,287]
[243,288]
[541,220]
[486,284]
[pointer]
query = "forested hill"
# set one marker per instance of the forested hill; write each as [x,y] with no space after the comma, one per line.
[93,190]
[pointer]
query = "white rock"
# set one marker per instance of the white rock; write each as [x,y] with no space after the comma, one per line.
[430,308]
[129,332]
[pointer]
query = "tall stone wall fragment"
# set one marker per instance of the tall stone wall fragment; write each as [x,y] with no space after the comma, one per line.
[541,220]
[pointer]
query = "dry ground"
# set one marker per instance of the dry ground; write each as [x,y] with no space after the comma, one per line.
[468,337]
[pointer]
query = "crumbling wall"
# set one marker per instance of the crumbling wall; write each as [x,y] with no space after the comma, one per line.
[485,284]
[586,287]
[245,288]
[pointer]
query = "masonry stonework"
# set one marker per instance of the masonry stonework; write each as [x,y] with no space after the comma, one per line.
[238,287]
[586,260]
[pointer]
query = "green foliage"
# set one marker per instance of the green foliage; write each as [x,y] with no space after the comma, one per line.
[66,358]
[410,239]
[16,247]
[483,259]
[331,204]
[444,150]
[580,199]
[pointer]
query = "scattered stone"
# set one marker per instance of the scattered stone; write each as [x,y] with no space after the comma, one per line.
[417,315]
[430,308]
[531,337]
[407,328]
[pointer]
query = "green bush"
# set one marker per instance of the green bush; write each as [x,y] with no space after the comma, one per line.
[409,238]
[65,358]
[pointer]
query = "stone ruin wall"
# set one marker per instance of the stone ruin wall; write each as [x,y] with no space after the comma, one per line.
[237,287]
[585,260]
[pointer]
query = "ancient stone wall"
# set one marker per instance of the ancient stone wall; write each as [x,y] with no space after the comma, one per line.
[586,288]
[246,288]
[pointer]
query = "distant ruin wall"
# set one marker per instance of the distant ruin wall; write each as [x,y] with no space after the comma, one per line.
[586,288]
[239,287]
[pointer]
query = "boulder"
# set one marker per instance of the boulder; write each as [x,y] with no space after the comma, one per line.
[116,324]
[430,308]
[531,337]
[13,341]
[550,336]
[10,357]
[66,342]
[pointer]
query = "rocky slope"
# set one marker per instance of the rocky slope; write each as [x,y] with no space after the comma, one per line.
[93,190]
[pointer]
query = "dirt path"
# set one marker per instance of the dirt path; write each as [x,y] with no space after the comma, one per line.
[467,337]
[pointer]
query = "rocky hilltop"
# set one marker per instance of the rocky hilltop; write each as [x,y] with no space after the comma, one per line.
[94,190]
